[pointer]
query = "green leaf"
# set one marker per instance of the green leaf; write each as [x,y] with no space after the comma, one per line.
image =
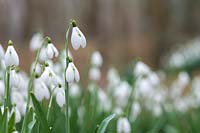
[4,124]
[11,123]
[40,114]
[31,124]
[105,123]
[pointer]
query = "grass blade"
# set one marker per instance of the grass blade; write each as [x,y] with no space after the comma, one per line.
[104,123]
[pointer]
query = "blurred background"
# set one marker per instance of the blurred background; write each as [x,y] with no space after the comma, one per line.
[120,29]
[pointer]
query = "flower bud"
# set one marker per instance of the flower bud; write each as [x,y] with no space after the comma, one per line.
[11,57]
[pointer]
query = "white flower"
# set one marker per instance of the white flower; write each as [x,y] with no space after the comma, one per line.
[36,41]
[74,90]
[11,57]
[123,125]
[40,90]
[17,115]
[72,73]
[77,38]
[17,98]
[38,68]
[2,52]
[49,77]
[96,59]
[135,110]
[60,98]
[43,56]
[51,51]
[94,74]
[141,69]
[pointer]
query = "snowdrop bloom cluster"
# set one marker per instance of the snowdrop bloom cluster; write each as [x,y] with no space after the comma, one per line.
[96,62]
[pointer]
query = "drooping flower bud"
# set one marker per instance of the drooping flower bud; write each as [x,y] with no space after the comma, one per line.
[11,57]
[36,41]
[60,98]
[72,73]
[51,51]
[77,37]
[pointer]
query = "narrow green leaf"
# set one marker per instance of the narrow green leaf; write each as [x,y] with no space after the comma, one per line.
[4,126]
[104,123]
[11,123]
[31,124]
[40,114]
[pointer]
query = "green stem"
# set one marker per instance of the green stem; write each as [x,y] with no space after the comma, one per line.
[7,96]
[66,83]
[50,103]
[30,86]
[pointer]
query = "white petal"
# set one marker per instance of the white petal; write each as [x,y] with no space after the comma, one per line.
[94,74]
[70,74]
[76,38]
[60,98]
[96,59]
[36,41]
[11,57]
[17,115]
[76,75]
[2,52]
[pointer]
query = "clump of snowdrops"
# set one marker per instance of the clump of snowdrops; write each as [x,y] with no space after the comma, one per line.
[50,99]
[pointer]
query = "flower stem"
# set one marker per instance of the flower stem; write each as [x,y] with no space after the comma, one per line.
[7,96]
[66,83]
[50,103]
[30,85]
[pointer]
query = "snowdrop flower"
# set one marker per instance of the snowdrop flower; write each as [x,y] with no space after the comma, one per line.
[40,90]
[43,56]
[60,98]
[72,73]
[135,110]
[36,41]
[96,59]
[17,115]
[77,37]
[17,98]
[123,125]
[51,51]
[11,57]
[38,68]
[49,77]
[141,69]
[74,90]
[121,93]
[94,74]
[2,52]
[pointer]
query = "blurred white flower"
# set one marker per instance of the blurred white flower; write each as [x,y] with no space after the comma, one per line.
[40,90]
[104,102]
[36,41]
[17,99]
[60,98]
[135,110]
[2,52]
[77,38]
[51,51]
[49,77]
[123,125]
[17,115]
[11,57]
[43,56]
[94,74]
[141,69]
[96,59]
[72,73]
[74,90]
[38,68]
[121,93]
